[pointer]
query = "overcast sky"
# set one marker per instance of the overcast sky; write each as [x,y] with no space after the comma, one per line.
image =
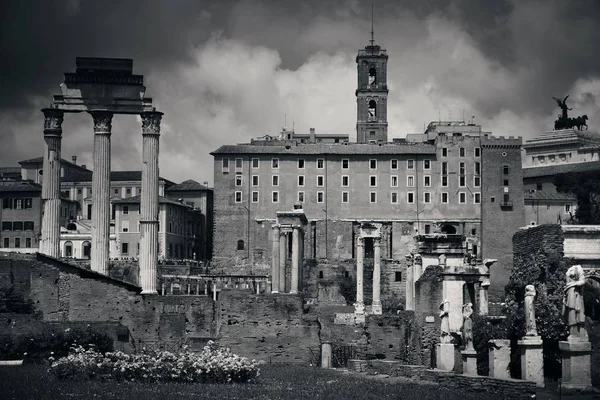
[226,71]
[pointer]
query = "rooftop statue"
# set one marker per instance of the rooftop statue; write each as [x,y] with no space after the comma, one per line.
[564,121]
[563,106]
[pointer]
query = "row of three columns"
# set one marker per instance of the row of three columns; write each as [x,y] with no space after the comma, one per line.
[280,255]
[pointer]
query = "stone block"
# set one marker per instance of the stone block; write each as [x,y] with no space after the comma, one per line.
[325,355]
[499,358]
[469,362]
[576,365]
[445,356]
[532,359]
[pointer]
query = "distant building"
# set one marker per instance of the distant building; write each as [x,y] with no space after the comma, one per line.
[547,155]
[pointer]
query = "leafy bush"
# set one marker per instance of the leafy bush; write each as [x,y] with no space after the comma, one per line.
[14,302]
[212,365]
[38,347]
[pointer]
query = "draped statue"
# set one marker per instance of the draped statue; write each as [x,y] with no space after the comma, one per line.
[530,326]
[573,310]
[445,336]
[467,328]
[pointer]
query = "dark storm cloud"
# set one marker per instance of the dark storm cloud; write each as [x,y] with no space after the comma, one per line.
[224,71]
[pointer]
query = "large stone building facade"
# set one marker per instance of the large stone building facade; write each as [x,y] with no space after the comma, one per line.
[452,180]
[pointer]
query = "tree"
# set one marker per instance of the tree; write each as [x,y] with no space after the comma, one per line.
[586,187]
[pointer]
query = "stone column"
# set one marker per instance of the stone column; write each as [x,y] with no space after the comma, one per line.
[149,201]
[275,260]
[410,283]
[101,212]
[295,258]
[50,230]
[483,297]
[359,306]
[283,248]
[376,307]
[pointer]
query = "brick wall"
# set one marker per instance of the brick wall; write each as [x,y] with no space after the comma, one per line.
[428,295]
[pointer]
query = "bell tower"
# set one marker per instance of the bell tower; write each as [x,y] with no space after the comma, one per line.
[372,93]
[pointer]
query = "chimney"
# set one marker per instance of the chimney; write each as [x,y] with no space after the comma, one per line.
[83,166]
[74,158]
[311,138]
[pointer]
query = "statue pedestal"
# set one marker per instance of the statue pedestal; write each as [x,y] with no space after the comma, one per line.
[532,359]
[445,356]
[326,355]
[576,366]
[499,358]
[469,362]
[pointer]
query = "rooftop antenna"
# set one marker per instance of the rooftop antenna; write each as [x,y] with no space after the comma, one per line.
[284,122]
[372,31]
[463,119]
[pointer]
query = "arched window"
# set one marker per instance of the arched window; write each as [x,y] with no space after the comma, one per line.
[448,229]
[372,108]
[69,249]
[372,76]
[72,227]
[240,245]
[87,247]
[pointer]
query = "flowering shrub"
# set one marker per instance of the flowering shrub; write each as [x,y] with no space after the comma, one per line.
[212,365]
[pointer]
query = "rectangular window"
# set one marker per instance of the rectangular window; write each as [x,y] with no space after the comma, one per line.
[255,163]
[445,197]
[373,181]
[300,180]
[17,225]
[477,198]
[477,152]
[427,180]
[274,163]
[18,204]
[320,180]
[225,165]
[345,197]
[444,181]
[410,164]
[125,209]
[445,168]
[28,225]
[410,181]
[6,242]
[17,243]
[255,197]
[320,197]
[300,163]
[506,198]
[116,191]
[345,163]
[477,181]
[275,180]
[372,164]
[124,226]
[275,197]
[505,182]
[320,163]
[567,208]
[461,151]
[238,197]
[426,197]
[462,197]
[238,180]
[410,197]
[393,164]
[28,242]
[461,181]
[505,170]
[301,197]
[444,152]
[394,181]
[426,164]
[345,181]
[461,168]
[373,197]
[239,164]
[477,168]
[124,248]
[128,191]
[394,197]
[28,202]
[254,180]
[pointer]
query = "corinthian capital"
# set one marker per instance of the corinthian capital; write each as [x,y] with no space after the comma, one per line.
[151,122]
[102,121]
[53,119]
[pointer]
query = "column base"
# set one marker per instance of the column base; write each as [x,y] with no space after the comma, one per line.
[359,318]
[376,308]
[576,365]
[149,292]
[445,356]
[274,291]
[532,359]
[469,362]
[359,308]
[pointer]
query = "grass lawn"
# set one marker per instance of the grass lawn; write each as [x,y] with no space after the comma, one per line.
[287,382]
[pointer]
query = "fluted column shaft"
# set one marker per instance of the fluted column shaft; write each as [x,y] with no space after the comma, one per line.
[377,309]
[275,261]
[101,191]
[359,307]
[283,247]
[50,229]
[295,259]
[149,202]
[483,297]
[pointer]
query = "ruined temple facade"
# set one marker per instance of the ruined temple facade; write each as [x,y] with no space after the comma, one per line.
[452,180]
